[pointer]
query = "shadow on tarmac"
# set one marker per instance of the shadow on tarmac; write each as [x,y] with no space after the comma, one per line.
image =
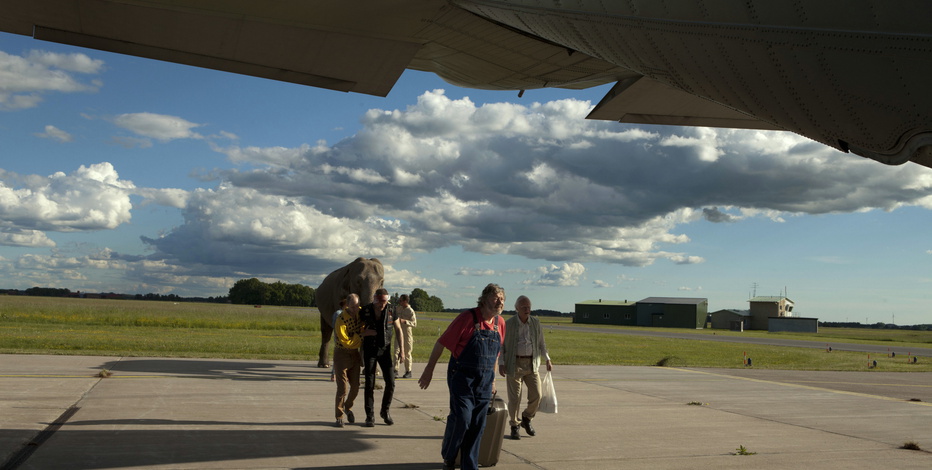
[181,443]
[209,369]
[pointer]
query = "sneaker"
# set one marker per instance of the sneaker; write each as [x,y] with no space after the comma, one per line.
[339,423]
[350,417]
[407,375]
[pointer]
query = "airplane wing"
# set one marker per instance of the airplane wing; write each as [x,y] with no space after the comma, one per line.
[264,39]
[364,49]
[854,81]
[360,46]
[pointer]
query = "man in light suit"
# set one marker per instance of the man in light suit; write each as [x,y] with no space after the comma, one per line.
[522,351]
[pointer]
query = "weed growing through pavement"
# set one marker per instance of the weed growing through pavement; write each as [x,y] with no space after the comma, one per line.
[741,450]
[911,446]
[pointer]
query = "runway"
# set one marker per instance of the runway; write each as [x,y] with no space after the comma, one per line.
[56,412]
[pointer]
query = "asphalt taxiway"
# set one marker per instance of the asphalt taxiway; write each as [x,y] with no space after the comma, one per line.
[58,412]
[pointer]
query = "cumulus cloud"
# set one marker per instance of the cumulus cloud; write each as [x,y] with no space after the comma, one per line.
[160,127]
[170,197]
[91,198]
[25,238]
[242,229]
[24,80]
[600,284]
[537,181]
[101,270]
[54,133]
[568,274]
[682,259]
[713,214]
[402,280]
[476,272]
[79,63]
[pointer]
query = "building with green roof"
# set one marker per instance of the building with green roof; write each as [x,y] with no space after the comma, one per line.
[606,312]
[672,312]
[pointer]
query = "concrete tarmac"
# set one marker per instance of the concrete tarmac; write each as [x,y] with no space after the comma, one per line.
[157,413]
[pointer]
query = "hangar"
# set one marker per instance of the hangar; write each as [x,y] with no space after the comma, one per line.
[731,319]
[670,312]
[606,312]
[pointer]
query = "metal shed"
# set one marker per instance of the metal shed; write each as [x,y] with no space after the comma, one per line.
[606,312]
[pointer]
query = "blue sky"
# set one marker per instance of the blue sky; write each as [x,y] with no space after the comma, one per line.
[131,175]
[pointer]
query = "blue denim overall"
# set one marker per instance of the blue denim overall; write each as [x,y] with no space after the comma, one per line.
[470,378]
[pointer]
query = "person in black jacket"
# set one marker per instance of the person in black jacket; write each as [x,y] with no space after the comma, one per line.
[380,324]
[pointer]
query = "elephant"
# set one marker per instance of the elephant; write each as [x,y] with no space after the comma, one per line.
[361,277]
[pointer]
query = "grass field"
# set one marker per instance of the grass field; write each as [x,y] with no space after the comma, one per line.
[42,325]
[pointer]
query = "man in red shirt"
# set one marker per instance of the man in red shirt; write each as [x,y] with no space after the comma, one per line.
[474,339]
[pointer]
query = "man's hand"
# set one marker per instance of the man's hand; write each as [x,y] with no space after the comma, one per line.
[501,370]
[549,365]
[426,376]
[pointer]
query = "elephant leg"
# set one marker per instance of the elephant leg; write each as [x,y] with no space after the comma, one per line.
[323,356]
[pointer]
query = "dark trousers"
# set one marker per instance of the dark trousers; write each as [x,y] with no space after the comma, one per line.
[382,358]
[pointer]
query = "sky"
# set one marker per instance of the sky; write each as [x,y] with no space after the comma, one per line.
[129,175]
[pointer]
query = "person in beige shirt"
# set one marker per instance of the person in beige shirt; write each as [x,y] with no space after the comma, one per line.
[522,351]
[405,314]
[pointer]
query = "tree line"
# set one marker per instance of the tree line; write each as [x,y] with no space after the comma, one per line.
[420,301]
[254,291]
[244,291]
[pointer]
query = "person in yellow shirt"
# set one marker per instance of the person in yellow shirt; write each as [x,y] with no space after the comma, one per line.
[347,332]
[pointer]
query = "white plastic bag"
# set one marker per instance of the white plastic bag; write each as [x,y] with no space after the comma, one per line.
[548,395]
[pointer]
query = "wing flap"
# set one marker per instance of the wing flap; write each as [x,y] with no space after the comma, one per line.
[640,100]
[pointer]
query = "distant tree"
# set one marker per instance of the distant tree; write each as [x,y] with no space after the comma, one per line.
[436,305]
[47,292]
[422,302]
[250,291]
[254,291]
[418,299]
[298,295]
[277,293]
